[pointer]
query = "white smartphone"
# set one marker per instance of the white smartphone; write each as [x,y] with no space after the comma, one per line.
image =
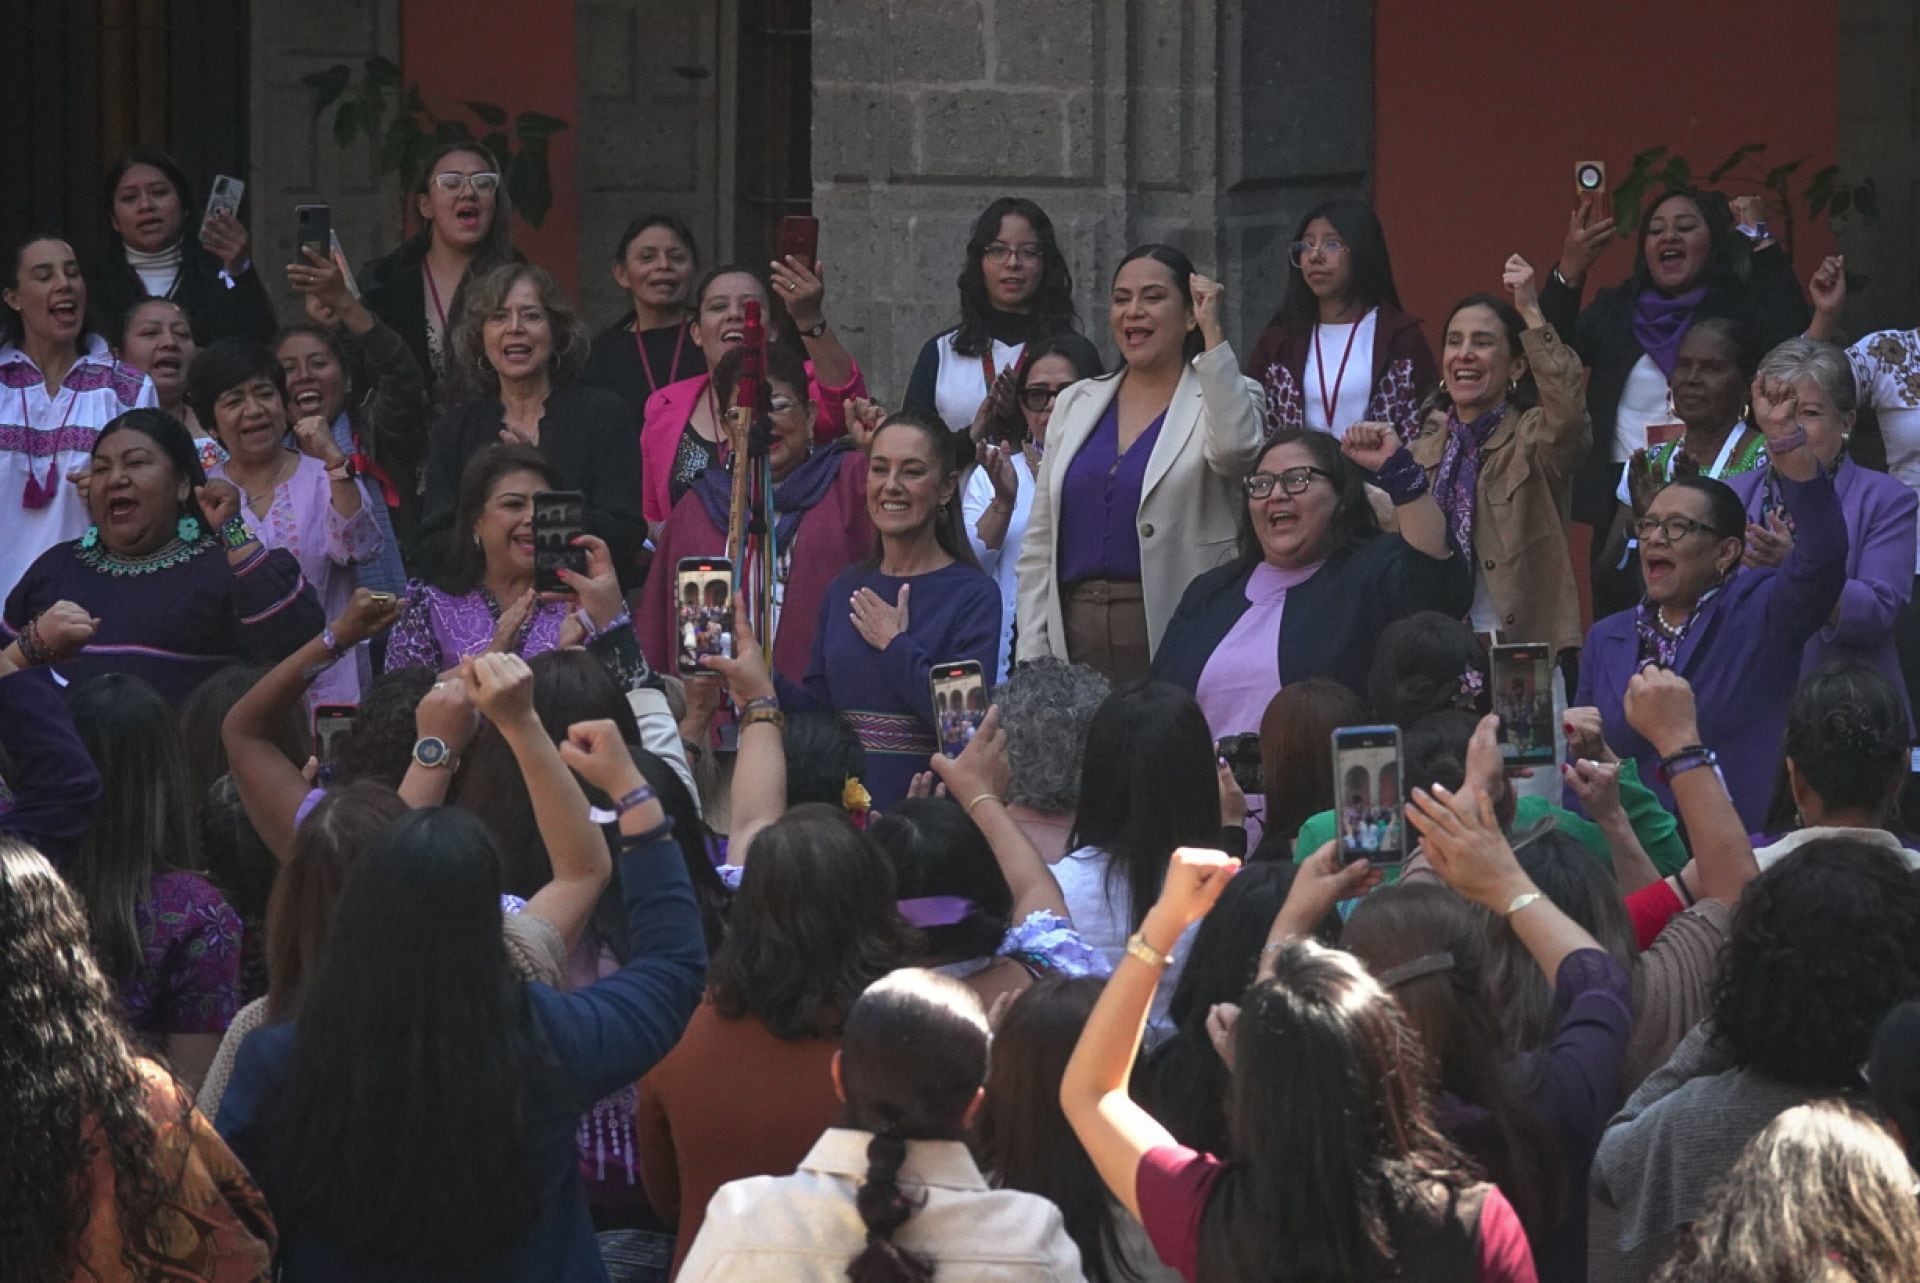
[224,198]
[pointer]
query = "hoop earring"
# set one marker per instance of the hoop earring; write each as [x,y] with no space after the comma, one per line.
[1746,409]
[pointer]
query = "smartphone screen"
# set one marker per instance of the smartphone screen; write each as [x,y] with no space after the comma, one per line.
[557,518]
[799,236]
[1241,753]
[330,722]
[1367,780]
[959,703]
[313,228]
[224,198]
[703,593]
[1523,697]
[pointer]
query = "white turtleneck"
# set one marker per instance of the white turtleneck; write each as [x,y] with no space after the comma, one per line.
[157,271]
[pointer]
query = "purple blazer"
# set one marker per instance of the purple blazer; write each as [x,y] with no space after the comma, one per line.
[1880,515]
[1742,655]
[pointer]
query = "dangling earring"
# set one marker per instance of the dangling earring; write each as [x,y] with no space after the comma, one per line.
[91,538]
[188,528]
[1746,409]
[1513,385]
[1669,405]
[476,538]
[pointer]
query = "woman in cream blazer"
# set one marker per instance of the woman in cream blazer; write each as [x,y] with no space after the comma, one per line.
[1140,490]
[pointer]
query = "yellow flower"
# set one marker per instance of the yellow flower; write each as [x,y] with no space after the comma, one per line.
[854,798]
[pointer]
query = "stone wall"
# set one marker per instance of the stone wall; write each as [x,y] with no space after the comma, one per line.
[1879,128]
[1127,120]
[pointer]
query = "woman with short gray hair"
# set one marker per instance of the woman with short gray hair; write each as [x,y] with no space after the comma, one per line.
[1879,511]
[1046,706]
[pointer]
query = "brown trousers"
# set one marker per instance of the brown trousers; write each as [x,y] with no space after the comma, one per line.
[1106,621]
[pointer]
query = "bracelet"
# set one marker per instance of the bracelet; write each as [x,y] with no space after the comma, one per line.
[32,648]
[621,620]
[342,472]
[1402,477]
[770,716]
[760,701]
[1787,444]
[984,797]
[627,801]
[1522,900]
[1686,759]
[629,841]
[234,533]
[1139,949]
[332,643]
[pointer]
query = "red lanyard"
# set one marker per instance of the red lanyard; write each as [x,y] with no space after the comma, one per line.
[434,291]
[1326,404]
[986,366]
[673,368]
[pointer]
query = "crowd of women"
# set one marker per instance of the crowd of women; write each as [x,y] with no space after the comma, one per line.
[572,958]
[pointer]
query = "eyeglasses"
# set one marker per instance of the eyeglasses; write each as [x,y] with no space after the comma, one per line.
[1332,247]
[453,181]
[998,253]
[1293,481]
[1671,531]
[1038,396]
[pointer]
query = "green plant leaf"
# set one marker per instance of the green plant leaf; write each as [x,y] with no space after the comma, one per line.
[497,142]
[528,182]
[489,114]
[1732,162]
[1778,175]
[1866,199]
[346,121]
[382,72]
[1842,202]
[1820,190]
[1676,172]
[1645,160]
[413,103]
[452,131]
[534,124]
[327,86]
[1856,282]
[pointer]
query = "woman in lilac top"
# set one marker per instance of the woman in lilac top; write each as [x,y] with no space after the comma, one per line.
[307,501]
[485,599]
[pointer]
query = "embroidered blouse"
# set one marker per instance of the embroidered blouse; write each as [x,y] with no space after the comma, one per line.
[436,628]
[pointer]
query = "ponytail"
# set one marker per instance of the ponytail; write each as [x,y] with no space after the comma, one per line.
[885,1207]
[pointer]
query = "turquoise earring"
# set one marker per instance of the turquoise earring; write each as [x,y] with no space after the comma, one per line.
[91,538]
[188,528]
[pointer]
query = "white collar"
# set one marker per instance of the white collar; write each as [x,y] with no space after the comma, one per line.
[168,257]
[1787,845]
[842,1151]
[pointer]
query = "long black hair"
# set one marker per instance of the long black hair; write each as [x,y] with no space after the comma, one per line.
[1353,523]
[1893,1071]
[949,524]
[913,1058]
[1367,255]
[1425,663]
[1053,311]
[466,562]
[399,1132]
[1181,267]
[1148,784]
[1729,255]
[937,851]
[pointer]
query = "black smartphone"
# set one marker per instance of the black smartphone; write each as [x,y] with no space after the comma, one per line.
[703,596]
[1241,753]
[313,229]
[557,518]
[1369,790]
[330,722]
[1523,697]
[798,236]
[959,703]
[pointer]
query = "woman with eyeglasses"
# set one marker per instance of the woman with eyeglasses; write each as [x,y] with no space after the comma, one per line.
[1015,290]
[999,492]
[1135,497]
[820,496]
[466,228]
[1340,351]
[1737,634]
[1316,581]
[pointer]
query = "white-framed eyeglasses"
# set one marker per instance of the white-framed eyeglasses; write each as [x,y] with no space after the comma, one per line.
[453,180]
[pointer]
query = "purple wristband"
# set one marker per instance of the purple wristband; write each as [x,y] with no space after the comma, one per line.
[1401,477]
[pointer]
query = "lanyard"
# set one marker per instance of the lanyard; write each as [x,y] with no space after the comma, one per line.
[433,291]
[39,494]
[673,367]
[1326,404]
[986,367]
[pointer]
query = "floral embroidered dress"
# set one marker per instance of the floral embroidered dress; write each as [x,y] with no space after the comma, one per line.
[302,519]
[1886,367]
[436,628]
[188,978]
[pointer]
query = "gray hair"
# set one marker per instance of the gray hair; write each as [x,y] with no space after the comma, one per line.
[1046,706]
[1824,363]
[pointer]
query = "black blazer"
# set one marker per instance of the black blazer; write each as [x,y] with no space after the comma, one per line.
[1769,301]
[1331,622]
[393,290]
[588,437]
[213,309]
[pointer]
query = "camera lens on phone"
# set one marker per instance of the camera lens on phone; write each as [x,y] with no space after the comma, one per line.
[1589,177]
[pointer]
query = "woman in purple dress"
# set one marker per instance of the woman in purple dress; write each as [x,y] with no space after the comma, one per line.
[920,600]
[176,583]
[307,500]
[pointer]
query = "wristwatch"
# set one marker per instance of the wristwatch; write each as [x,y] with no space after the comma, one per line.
[431,751]
[814,331]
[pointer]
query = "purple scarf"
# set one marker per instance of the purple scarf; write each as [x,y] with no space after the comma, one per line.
[805,486]
[1657,645]
[1660,322]
[1457,479]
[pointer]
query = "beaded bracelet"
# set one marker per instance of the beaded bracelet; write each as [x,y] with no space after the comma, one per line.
[33,648]
[234,533]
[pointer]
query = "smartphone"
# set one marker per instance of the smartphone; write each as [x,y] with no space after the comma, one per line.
[557,518]
[798,235]
[703,596]
[313,228]
[340,261]
[224,198]
[1662,433]
[1523,697]
[1241,753]
[959,703]
[1367,771]
[330,722]
[1590,179]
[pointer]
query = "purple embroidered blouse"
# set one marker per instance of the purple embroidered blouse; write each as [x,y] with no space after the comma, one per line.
[1100,501]
[436,628]
[188,980]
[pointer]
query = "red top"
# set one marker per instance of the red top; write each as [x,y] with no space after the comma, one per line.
[1651,908]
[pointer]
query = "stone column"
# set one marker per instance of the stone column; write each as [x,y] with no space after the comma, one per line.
[1202,123]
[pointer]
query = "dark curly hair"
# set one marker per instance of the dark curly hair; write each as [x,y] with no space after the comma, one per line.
[937,851]
[70,1072]
[379,746]
[1824,943]
[1420,666]
[1847,739]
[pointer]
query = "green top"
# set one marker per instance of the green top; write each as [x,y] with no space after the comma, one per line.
[1658,831]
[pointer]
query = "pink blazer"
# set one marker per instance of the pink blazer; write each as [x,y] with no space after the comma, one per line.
[666,418]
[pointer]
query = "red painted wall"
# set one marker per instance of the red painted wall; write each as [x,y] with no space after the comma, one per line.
[1480,112]
[520,56]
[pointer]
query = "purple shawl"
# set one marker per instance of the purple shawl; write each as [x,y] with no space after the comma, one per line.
[805,486]
[1657,645]
[1457,480]
[1660,322]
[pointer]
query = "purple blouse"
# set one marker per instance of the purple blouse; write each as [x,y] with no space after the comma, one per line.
[303,520]
[1243,673]
[436,629]
[188,980]
[1100,501]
